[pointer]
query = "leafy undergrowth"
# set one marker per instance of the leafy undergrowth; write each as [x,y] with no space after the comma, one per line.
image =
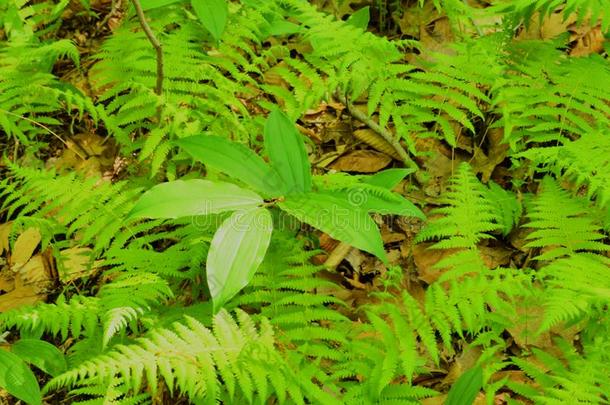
[333,202]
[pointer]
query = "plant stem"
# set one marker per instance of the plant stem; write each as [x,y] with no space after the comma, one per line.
[385,134]
[158,49]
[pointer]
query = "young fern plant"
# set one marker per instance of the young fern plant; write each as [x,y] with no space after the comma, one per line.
[239,245]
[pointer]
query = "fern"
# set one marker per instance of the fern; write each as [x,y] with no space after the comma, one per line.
[577,288]
[85,208]
[30,95]
[468,217]
[573,378]
[592,10]
[192,358]
[562,224]
[106,393]
[543,102]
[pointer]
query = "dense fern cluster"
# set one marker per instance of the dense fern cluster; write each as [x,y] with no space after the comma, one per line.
[292,336]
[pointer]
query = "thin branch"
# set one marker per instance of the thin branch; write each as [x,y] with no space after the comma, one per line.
[158,49]
[46,129]
[385,134]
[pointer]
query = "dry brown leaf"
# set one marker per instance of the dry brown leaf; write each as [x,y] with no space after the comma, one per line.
[551,26]
[497,152]
[24,247]
[588,41]
[425,259]
[26,295]
[362,161]
[495,256]
[376,141]
[5,231]
[74,263]
[35,272]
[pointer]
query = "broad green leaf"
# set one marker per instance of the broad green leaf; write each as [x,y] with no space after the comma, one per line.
[377,199]
[18,380]
[234,159]
[388,178]
[236,251]
[360,19]
[466,388]
[213,15]
[152,4]
[338,218]
[182,198]
[42,354]
[287,154]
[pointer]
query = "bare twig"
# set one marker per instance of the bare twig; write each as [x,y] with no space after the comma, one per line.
[46,129]
[158,49]
[384,133]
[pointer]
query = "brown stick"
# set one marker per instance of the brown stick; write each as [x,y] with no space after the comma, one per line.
[385,134]
[158,49]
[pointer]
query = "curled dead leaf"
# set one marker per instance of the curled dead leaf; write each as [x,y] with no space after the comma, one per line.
[362,161]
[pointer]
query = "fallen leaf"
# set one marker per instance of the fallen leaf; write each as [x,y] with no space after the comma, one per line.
[24,247]
[5,231]
[587,41]
[35,272]
[26,295]
[425,259]
[362,161]
[74,263]
[376,141]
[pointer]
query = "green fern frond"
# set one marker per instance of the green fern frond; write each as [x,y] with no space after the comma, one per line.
[79,315]
[113,392]
[574,378]
[592,10]
[90,210]
[468,217]
[561,223]
[192,358]
[578,287]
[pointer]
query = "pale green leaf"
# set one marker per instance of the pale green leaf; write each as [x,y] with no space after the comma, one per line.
[234,159]
[212,14]
[338,218]
[183,198]
[42,354]
[18,380]
[236,251]
[287,154]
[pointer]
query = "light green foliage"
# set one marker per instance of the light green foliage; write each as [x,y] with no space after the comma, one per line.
[248,230]
[147,330]
[470,215]
[192,358]
[562,223]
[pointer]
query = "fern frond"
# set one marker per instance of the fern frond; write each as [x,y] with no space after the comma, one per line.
[192,358]
[574,378]
[468,217]
[561,223]
[578,286]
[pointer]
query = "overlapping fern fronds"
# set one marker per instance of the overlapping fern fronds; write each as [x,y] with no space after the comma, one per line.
[194,360]
[562,224]
[576,378]
[30,95]
[469,214]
